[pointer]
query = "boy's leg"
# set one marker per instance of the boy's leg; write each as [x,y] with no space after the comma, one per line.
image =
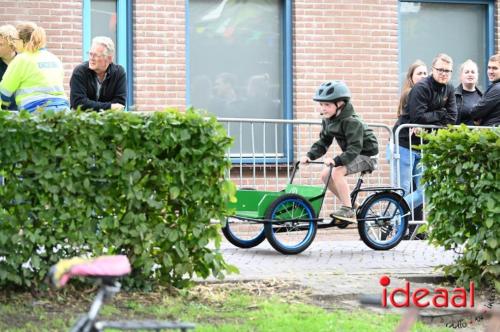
[359,164]
[341,186]
[331,185]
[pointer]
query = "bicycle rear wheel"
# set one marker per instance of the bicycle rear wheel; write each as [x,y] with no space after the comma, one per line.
[298,229]
[382,221]
[243,233]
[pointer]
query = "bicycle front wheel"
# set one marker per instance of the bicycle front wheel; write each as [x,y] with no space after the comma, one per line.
[242,233]
[293,228]
[382,221]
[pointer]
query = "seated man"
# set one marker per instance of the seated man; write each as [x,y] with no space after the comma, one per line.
[99,84]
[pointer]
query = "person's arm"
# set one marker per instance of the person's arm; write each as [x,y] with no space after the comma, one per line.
[10,82]
[451,108]
[418,106]
[353,130]
[486,104]
[319,148]
[120,93]
[78,94]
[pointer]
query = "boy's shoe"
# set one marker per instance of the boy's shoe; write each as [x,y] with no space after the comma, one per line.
[345,213]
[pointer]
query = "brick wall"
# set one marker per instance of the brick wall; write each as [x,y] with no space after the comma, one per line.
[159,54]
[352,41]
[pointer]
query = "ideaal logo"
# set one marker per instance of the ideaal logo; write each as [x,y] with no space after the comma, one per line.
[439,298]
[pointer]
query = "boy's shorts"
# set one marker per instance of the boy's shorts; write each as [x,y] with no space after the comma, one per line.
[362,163]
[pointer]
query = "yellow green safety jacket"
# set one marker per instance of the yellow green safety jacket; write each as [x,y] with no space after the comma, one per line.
[35,80]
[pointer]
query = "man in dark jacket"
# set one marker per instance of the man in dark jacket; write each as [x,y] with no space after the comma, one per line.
[430,102]
[487,111]
[99,84]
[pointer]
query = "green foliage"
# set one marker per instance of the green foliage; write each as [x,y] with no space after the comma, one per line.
[146,186]
[463,188]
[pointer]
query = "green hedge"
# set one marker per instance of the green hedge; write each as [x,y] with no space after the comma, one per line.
[462,176]
[146,186]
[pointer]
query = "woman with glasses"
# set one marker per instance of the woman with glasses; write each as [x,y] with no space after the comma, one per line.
[467,93]
[35,76]
[8,38]
[430,102]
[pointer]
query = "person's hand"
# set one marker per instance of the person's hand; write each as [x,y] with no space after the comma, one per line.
[416,131]
[117,107]
[305,160]
[329,161]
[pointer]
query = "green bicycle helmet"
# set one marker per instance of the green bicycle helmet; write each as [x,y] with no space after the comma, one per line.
[332,91]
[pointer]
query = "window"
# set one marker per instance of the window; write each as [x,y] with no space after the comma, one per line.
[462,29]
[239,66]
[111,18]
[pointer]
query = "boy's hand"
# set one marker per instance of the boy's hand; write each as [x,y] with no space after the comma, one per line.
[305,160]
[329,161]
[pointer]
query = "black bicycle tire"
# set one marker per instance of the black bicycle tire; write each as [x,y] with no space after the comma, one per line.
[366,207]
[241,243]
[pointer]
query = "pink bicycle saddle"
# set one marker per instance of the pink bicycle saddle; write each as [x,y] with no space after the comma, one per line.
[102,266]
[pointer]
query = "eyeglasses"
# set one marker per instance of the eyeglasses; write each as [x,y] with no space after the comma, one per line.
[443,71]
[95,55]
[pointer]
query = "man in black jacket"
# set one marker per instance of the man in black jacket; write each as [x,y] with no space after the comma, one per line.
[99,84]
[430,102]
[487,110]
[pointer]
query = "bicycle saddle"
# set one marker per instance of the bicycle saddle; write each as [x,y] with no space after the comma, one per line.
[102,266]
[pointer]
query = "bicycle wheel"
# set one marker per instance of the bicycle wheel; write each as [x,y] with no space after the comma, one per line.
[382,222]
[242,233]
[297,230]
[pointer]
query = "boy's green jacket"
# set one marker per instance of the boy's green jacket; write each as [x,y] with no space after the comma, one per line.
[352,134]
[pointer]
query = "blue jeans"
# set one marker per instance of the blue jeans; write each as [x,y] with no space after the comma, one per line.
[410,173]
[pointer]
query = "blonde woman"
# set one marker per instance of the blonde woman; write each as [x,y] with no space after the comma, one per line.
[467,93]
[8,38]
[34,76]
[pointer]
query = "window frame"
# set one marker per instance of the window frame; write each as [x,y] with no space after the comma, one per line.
[124,39]
[489,27]
[287,94]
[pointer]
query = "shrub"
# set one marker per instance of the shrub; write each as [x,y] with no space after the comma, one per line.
[146,186]
[462,180]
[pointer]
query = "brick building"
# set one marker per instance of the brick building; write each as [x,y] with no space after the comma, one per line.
[183,52]
[359,42]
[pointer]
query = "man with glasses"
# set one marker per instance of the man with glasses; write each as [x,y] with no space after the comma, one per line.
[487,110]
[430,102]
[99,84]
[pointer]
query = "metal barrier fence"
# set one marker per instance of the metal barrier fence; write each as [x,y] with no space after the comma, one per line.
[406,171]
[264,152]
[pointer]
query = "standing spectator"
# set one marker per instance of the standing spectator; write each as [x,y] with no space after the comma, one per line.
[99,84]
[416,72]
[487,110]
[8,38]
[430,102]
[407,166]
[35,76]
[467,93]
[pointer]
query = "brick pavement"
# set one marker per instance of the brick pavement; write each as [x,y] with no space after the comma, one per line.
[338,267]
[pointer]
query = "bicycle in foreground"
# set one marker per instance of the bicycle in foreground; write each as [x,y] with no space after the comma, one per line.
[107,270]
[288,218]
